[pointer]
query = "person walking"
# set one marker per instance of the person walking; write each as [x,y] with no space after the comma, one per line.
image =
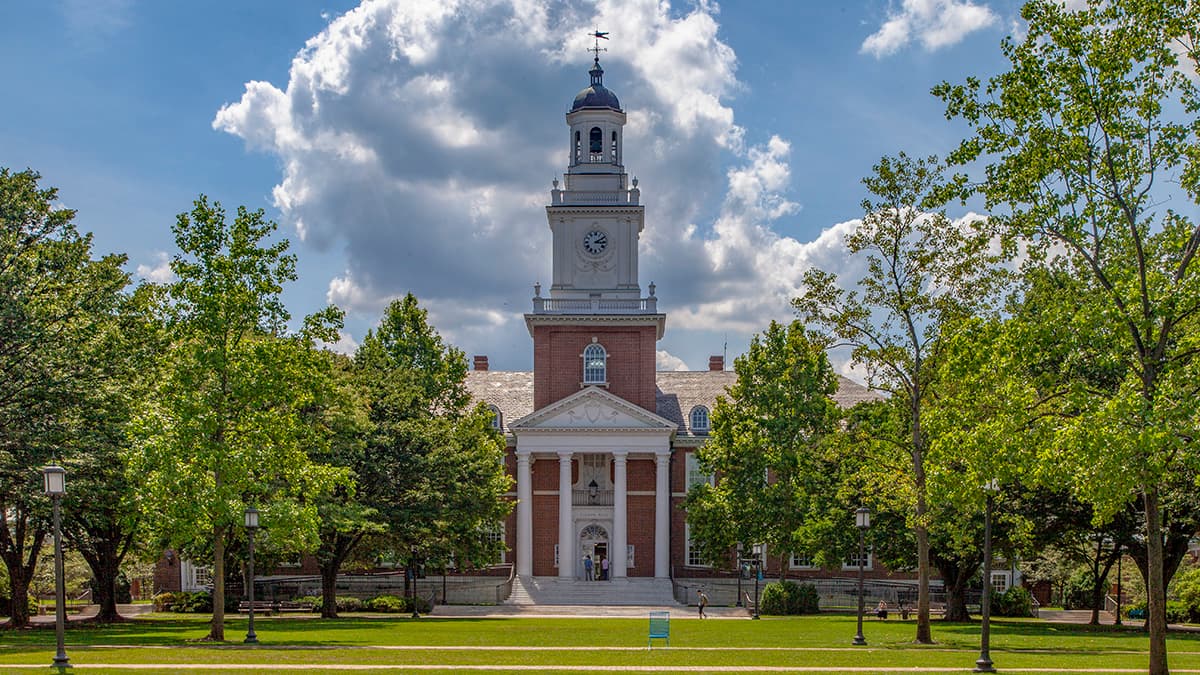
[587,567]
[604,568]
[701,602]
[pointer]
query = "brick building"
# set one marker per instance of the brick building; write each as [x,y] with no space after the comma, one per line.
[599,443]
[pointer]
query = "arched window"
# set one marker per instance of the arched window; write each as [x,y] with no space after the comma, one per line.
[578,148]
[596,143]
[497,417]
[699,420]
[595,364]
[614,147]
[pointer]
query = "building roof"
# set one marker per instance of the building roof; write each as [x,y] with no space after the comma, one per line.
[678,393]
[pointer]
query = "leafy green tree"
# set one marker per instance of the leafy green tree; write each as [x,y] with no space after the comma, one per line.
[922,272]
[100,514]
[1089,137]
[768,446]
[429,472]
[226,427]
[54,300]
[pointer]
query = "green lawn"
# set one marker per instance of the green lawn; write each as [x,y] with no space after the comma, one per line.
[578,644]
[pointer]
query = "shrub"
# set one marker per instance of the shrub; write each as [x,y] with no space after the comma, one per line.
[1187,587]
[164,602]
[1016,601]
[786,597]
[388,604]
[1177,612]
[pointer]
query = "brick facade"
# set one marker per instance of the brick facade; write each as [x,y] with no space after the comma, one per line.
[558,361]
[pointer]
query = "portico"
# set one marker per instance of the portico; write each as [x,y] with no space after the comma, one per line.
[590,439]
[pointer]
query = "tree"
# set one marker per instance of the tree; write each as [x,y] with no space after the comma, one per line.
[923,271]
[768,445]
[100,514]
[54,298]
[225,429]
[1088,136]
[429,471]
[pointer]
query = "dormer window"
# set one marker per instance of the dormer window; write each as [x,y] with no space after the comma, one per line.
[595,364]
[497,417]
[699,421]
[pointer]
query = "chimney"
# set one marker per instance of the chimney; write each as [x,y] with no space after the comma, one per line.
[481,362]
[716,362]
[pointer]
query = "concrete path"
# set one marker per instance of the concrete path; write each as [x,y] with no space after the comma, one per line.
[584,611]
[90,611]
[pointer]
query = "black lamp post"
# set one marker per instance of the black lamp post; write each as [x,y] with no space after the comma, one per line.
[862,520]
[55,482]
[593,490]
[984,663]
[1117,621]
[741,566]
[412,564]
[756,568]
[251,526]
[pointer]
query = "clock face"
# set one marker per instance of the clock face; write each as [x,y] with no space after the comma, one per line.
[595,242]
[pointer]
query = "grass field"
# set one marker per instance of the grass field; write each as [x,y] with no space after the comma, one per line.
[798,644]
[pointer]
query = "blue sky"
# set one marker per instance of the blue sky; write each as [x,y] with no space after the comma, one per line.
[409,145]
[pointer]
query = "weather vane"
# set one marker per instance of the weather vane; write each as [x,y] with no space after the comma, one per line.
[598,35]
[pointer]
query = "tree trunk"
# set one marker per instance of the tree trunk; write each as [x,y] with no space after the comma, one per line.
[18,616]
[924,630]
[104,559]
[329,591]
[216,630]
[956,575]
[1155,589]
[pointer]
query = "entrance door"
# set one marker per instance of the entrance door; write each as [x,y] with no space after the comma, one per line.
[593,541]
[599,552]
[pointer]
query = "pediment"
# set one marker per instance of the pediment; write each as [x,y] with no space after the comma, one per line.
[593,408]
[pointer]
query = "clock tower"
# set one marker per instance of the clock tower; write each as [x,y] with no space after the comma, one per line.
[595,328]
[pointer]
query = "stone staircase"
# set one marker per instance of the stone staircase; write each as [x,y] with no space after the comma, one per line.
[555,591]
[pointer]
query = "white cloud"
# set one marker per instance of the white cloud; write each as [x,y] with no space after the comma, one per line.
[664,360]
[93,23]
[159,271]
[345,344]
[934,23]
[417,140]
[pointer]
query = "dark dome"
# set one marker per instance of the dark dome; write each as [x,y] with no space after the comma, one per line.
[596,96]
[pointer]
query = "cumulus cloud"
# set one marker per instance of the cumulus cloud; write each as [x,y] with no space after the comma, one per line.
[417,140]
[664,360]
[159,271]
[933,23]
[345,344]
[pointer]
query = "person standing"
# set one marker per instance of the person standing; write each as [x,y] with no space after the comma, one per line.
[587,567]
[604,568]
[701,602]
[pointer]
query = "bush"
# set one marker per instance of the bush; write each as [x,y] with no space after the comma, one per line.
[1016,601]
[786,597]
[1187,587]
[1177,612]
[164,602]
[344,603]
[388,604]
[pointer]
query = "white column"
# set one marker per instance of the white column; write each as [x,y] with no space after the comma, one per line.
[662,514]
[620,536]
[566,518]
[524,515]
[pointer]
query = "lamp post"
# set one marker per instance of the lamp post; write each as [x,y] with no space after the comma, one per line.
[412,564]
[740,570]
[984,663]
[1117,621]
[55,483]
[756,567]
[862,520]
[251,526]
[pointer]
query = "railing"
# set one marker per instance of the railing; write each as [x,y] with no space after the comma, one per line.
[561,197]
[595,305]
[586,498]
